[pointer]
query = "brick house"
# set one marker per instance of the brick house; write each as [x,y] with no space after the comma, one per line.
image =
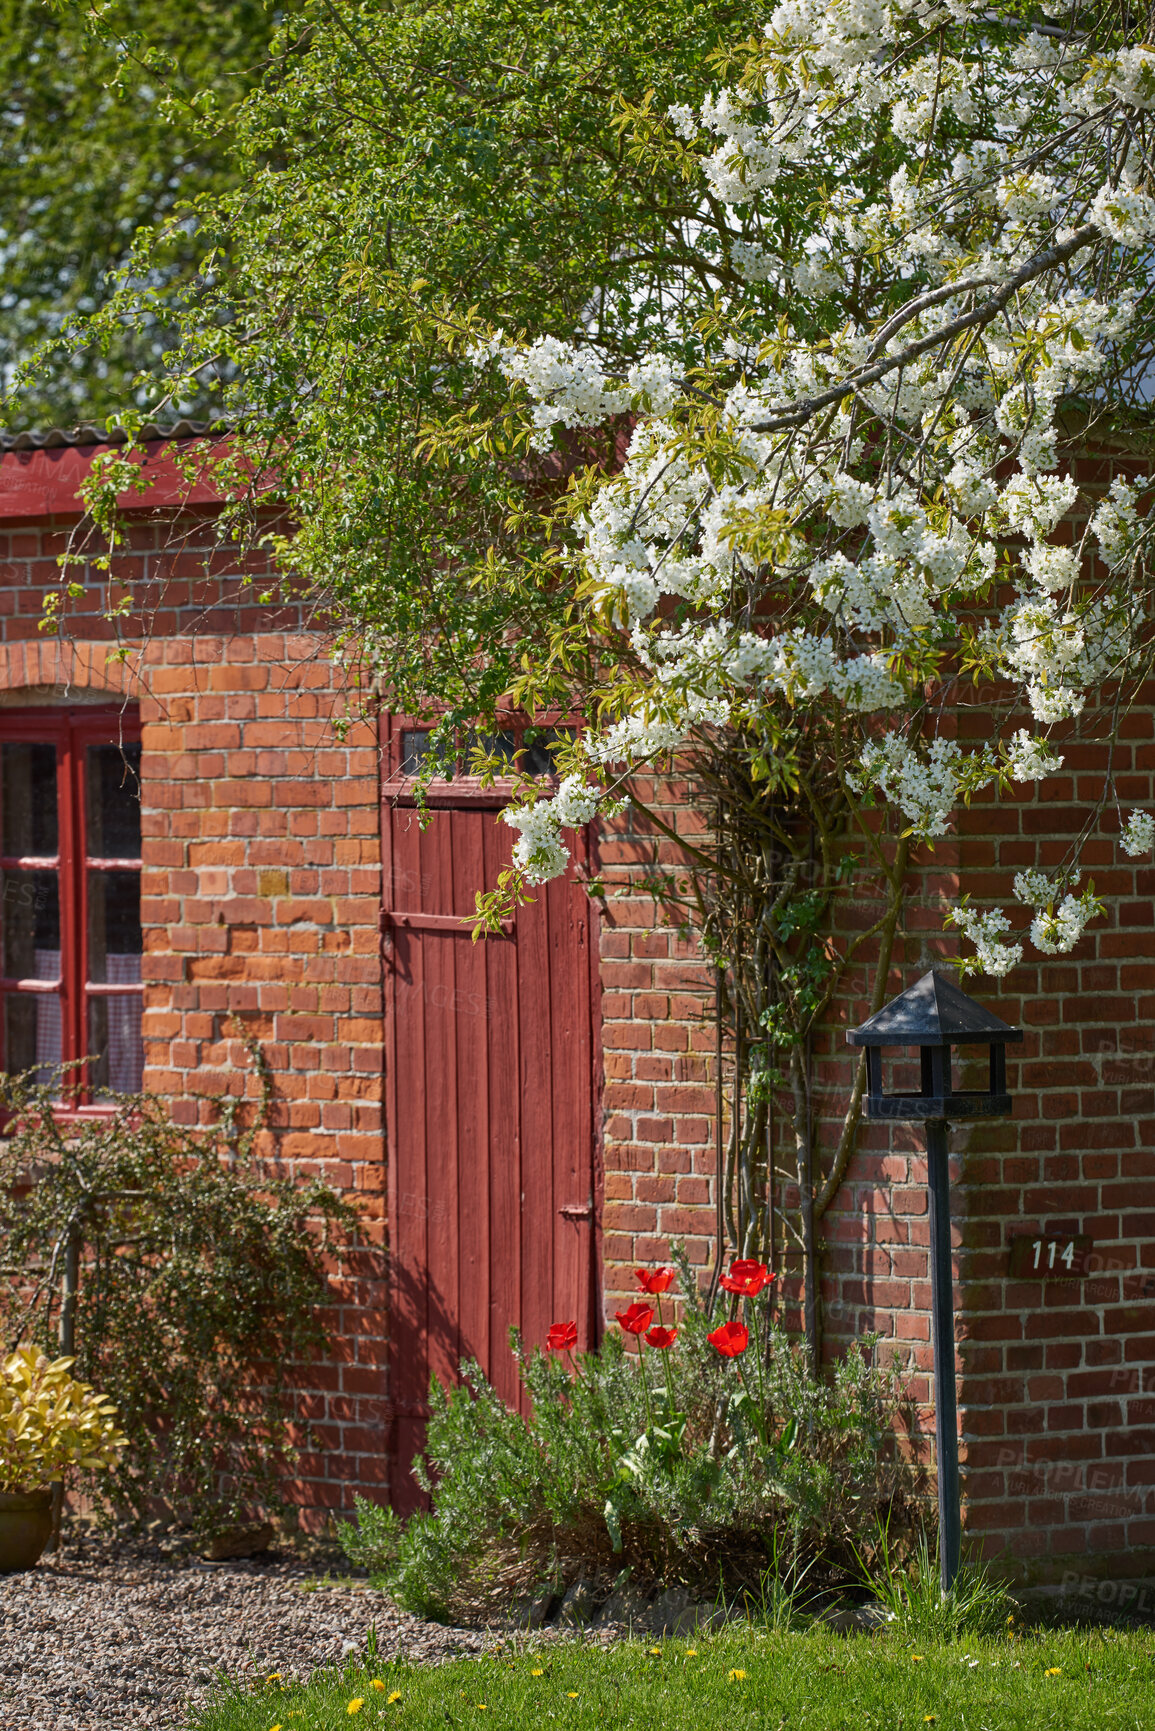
[524,1120]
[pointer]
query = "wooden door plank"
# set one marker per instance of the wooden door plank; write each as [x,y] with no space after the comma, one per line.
[504,1133]
[570,1152]
[537,1060]
[469,1037]
[409,1199]
[439,1091]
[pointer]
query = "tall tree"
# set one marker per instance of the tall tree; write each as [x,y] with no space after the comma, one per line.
[402,164]
[114,115]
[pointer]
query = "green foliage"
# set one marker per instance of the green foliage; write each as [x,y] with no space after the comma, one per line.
[402,173]
[113,116]
[670,1466]
[200,1285]
[374,1542]
[50,1423]
[911,1590]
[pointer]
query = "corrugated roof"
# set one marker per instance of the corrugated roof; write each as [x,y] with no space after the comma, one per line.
[88,434]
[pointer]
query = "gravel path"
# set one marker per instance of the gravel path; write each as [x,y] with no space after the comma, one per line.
[101,1640]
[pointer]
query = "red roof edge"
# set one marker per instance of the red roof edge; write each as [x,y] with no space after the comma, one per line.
[43,480]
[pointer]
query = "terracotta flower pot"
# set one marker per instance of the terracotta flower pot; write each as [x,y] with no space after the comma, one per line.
[25,1528]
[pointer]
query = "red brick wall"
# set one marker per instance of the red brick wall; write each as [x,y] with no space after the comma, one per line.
[1058,1378]
[261,863]
[1057,1381]
[260,892]
[658,1042]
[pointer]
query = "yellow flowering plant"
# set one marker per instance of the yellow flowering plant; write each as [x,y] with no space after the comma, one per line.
[50,1422]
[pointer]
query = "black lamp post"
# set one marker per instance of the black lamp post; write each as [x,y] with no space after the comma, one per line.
[935,1015]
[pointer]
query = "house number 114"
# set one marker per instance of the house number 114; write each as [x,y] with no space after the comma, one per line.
[1060,1256]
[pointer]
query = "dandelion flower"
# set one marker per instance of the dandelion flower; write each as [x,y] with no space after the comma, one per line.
[537,1671]
[481,1706]
[1053,1671]
[274,1728]
[691,1652]
[917,1657]
[376,1683]
[355,1704]
[572,1693]
[396,1696]
[273,1677]
[736,1675]
[656,1652]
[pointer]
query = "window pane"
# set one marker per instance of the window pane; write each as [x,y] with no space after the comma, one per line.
[30,925]
[28,797]
[32,1033]
[502,745]
[414,750]
[115,1044]
[114,801]
[538,758]
[114,935]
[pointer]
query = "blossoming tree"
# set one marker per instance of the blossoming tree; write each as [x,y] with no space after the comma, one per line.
[869,508]
[848,514]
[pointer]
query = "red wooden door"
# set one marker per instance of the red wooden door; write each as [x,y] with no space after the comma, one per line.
[490,1113]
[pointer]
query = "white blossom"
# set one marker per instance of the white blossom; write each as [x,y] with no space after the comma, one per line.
[1058,931]
[1138,837]
[1035,889]
[1124,214]
[987,931]
[760,553]
[1030,758]
[1132,76]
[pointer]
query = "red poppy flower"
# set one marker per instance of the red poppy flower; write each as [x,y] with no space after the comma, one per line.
[731,1340]
[747,1277]
[636,1319]
[655,1281]
[562,1337]
[661,1337]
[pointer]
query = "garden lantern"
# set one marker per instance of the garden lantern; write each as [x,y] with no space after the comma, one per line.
[935,1016]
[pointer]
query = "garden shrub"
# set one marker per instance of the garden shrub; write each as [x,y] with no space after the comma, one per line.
[198,1283]
[674,1464]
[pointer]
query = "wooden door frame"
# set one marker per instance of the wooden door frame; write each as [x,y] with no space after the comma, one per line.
[395,791]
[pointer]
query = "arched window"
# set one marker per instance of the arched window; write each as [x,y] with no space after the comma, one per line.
[70,935]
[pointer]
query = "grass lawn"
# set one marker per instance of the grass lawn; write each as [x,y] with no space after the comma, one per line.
[1084,1680]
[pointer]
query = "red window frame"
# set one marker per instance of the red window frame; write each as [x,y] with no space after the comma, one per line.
[72,732]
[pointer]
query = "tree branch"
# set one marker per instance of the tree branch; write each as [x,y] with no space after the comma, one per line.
[978,316]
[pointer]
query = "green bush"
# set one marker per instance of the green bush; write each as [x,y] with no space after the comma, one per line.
[187,1283]
[675,1465]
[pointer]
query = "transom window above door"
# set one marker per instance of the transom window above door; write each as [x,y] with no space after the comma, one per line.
[526,751]
[70,932]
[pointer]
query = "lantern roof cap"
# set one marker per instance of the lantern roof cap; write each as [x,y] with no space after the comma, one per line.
[932,1012]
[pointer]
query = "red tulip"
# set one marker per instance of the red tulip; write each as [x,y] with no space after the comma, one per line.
[662,1337]
[562,1337]
[731,1340]
[747,1277]
[636,1319]
[656,1282]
